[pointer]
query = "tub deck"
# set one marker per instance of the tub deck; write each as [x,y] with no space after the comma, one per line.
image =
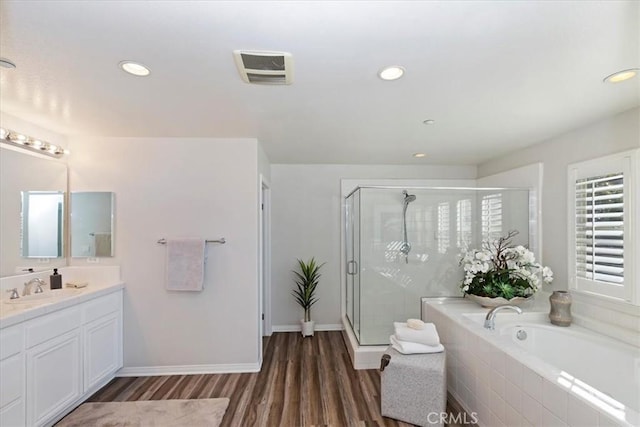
[508,384]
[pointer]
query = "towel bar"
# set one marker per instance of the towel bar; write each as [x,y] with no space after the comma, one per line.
[221,241]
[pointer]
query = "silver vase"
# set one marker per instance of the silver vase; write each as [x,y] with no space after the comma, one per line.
[560,313]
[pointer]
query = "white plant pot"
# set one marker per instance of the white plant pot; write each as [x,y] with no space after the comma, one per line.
[307,328]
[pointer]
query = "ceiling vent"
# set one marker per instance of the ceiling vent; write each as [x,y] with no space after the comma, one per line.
[271,68]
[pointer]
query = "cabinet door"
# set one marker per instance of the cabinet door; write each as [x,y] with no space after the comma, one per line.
[12,381]
[102,349]
[12,391]
[54,378]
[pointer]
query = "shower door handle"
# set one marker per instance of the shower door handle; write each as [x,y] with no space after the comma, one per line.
[352,268]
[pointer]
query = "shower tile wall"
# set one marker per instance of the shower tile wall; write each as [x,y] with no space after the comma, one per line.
[439,224]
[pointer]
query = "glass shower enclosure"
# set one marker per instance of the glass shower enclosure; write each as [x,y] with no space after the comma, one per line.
[403,244]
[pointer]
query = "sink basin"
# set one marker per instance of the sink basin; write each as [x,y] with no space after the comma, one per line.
[46,296]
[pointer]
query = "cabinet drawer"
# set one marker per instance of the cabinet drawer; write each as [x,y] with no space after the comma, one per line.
[102,306]
[11,341]
[51,325]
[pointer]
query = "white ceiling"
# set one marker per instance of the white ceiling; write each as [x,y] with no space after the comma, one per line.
[496,76]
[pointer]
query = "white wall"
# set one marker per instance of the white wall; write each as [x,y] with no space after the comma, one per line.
[171,188]
[306,218]
[612,135]
[22,171]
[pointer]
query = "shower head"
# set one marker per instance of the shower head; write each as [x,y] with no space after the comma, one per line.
[408,198]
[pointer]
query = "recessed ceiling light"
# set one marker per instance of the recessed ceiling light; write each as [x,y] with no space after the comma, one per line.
[5,63]
[135,68]
[621,76]
[429,122]
[419,155]
[391,73]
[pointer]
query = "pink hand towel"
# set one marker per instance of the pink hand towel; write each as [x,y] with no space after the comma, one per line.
[185,264]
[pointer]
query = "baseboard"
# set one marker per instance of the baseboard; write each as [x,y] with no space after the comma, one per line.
[298,328]
[146,371]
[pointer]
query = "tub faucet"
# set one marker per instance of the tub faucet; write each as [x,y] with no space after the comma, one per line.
[27,286]
[490,320]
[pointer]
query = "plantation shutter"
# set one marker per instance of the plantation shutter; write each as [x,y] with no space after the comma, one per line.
[600,228]
[464,223]
[491,216]
[443,227]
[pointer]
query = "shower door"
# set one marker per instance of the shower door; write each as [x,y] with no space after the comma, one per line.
[352,262]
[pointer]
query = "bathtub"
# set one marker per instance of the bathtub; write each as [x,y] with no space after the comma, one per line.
[529,372]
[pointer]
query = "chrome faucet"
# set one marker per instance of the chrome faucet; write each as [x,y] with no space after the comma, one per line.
[39,284]
[14,293]
[490,320]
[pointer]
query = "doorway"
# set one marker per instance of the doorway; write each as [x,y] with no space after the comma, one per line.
[265,258]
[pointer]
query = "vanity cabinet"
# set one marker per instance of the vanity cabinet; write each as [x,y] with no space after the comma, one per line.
[51,363]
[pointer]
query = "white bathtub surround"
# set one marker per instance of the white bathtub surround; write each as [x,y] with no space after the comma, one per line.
[583,379]
[612,318]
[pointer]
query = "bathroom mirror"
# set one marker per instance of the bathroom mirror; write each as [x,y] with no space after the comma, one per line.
[23,173]
[92,224]
[42,224]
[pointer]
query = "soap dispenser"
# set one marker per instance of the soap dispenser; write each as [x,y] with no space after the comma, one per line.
[55,280]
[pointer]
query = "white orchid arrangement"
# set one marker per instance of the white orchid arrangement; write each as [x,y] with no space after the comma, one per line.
[499,269]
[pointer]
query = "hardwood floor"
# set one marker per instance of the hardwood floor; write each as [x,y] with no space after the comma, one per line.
[303,382]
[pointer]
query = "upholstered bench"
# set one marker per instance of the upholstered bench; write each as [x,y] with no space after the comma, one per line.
[414,387]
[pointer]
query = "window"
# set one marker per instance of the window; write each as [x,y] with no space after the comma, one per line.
[463,223]
[602,197]
[443,227]
[491,216]
[600,228]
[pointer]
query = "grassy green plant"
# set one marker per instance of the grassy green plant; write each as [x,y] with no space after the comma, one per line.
[307,280]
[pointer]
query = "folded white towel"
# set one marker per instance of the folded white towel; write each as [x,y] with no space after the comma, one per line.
[77,284]
[414,348]
[185,264]
[426,336]
[415,324]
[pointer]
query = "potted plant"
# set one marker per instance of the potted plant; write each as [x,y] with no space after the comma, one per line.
[500,273]
[304,293]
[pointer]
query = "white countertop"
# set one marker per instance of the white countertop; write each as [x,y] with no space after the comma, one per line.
[11,314]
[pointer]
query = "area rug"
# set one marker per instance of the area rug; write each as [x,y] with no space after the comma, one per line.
[149,413]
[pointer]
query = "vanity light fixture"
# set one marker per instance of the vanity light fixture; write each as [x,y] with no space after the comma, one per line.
[621,76]
[419,155]
[135,68]
[393,72]
[26,142]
